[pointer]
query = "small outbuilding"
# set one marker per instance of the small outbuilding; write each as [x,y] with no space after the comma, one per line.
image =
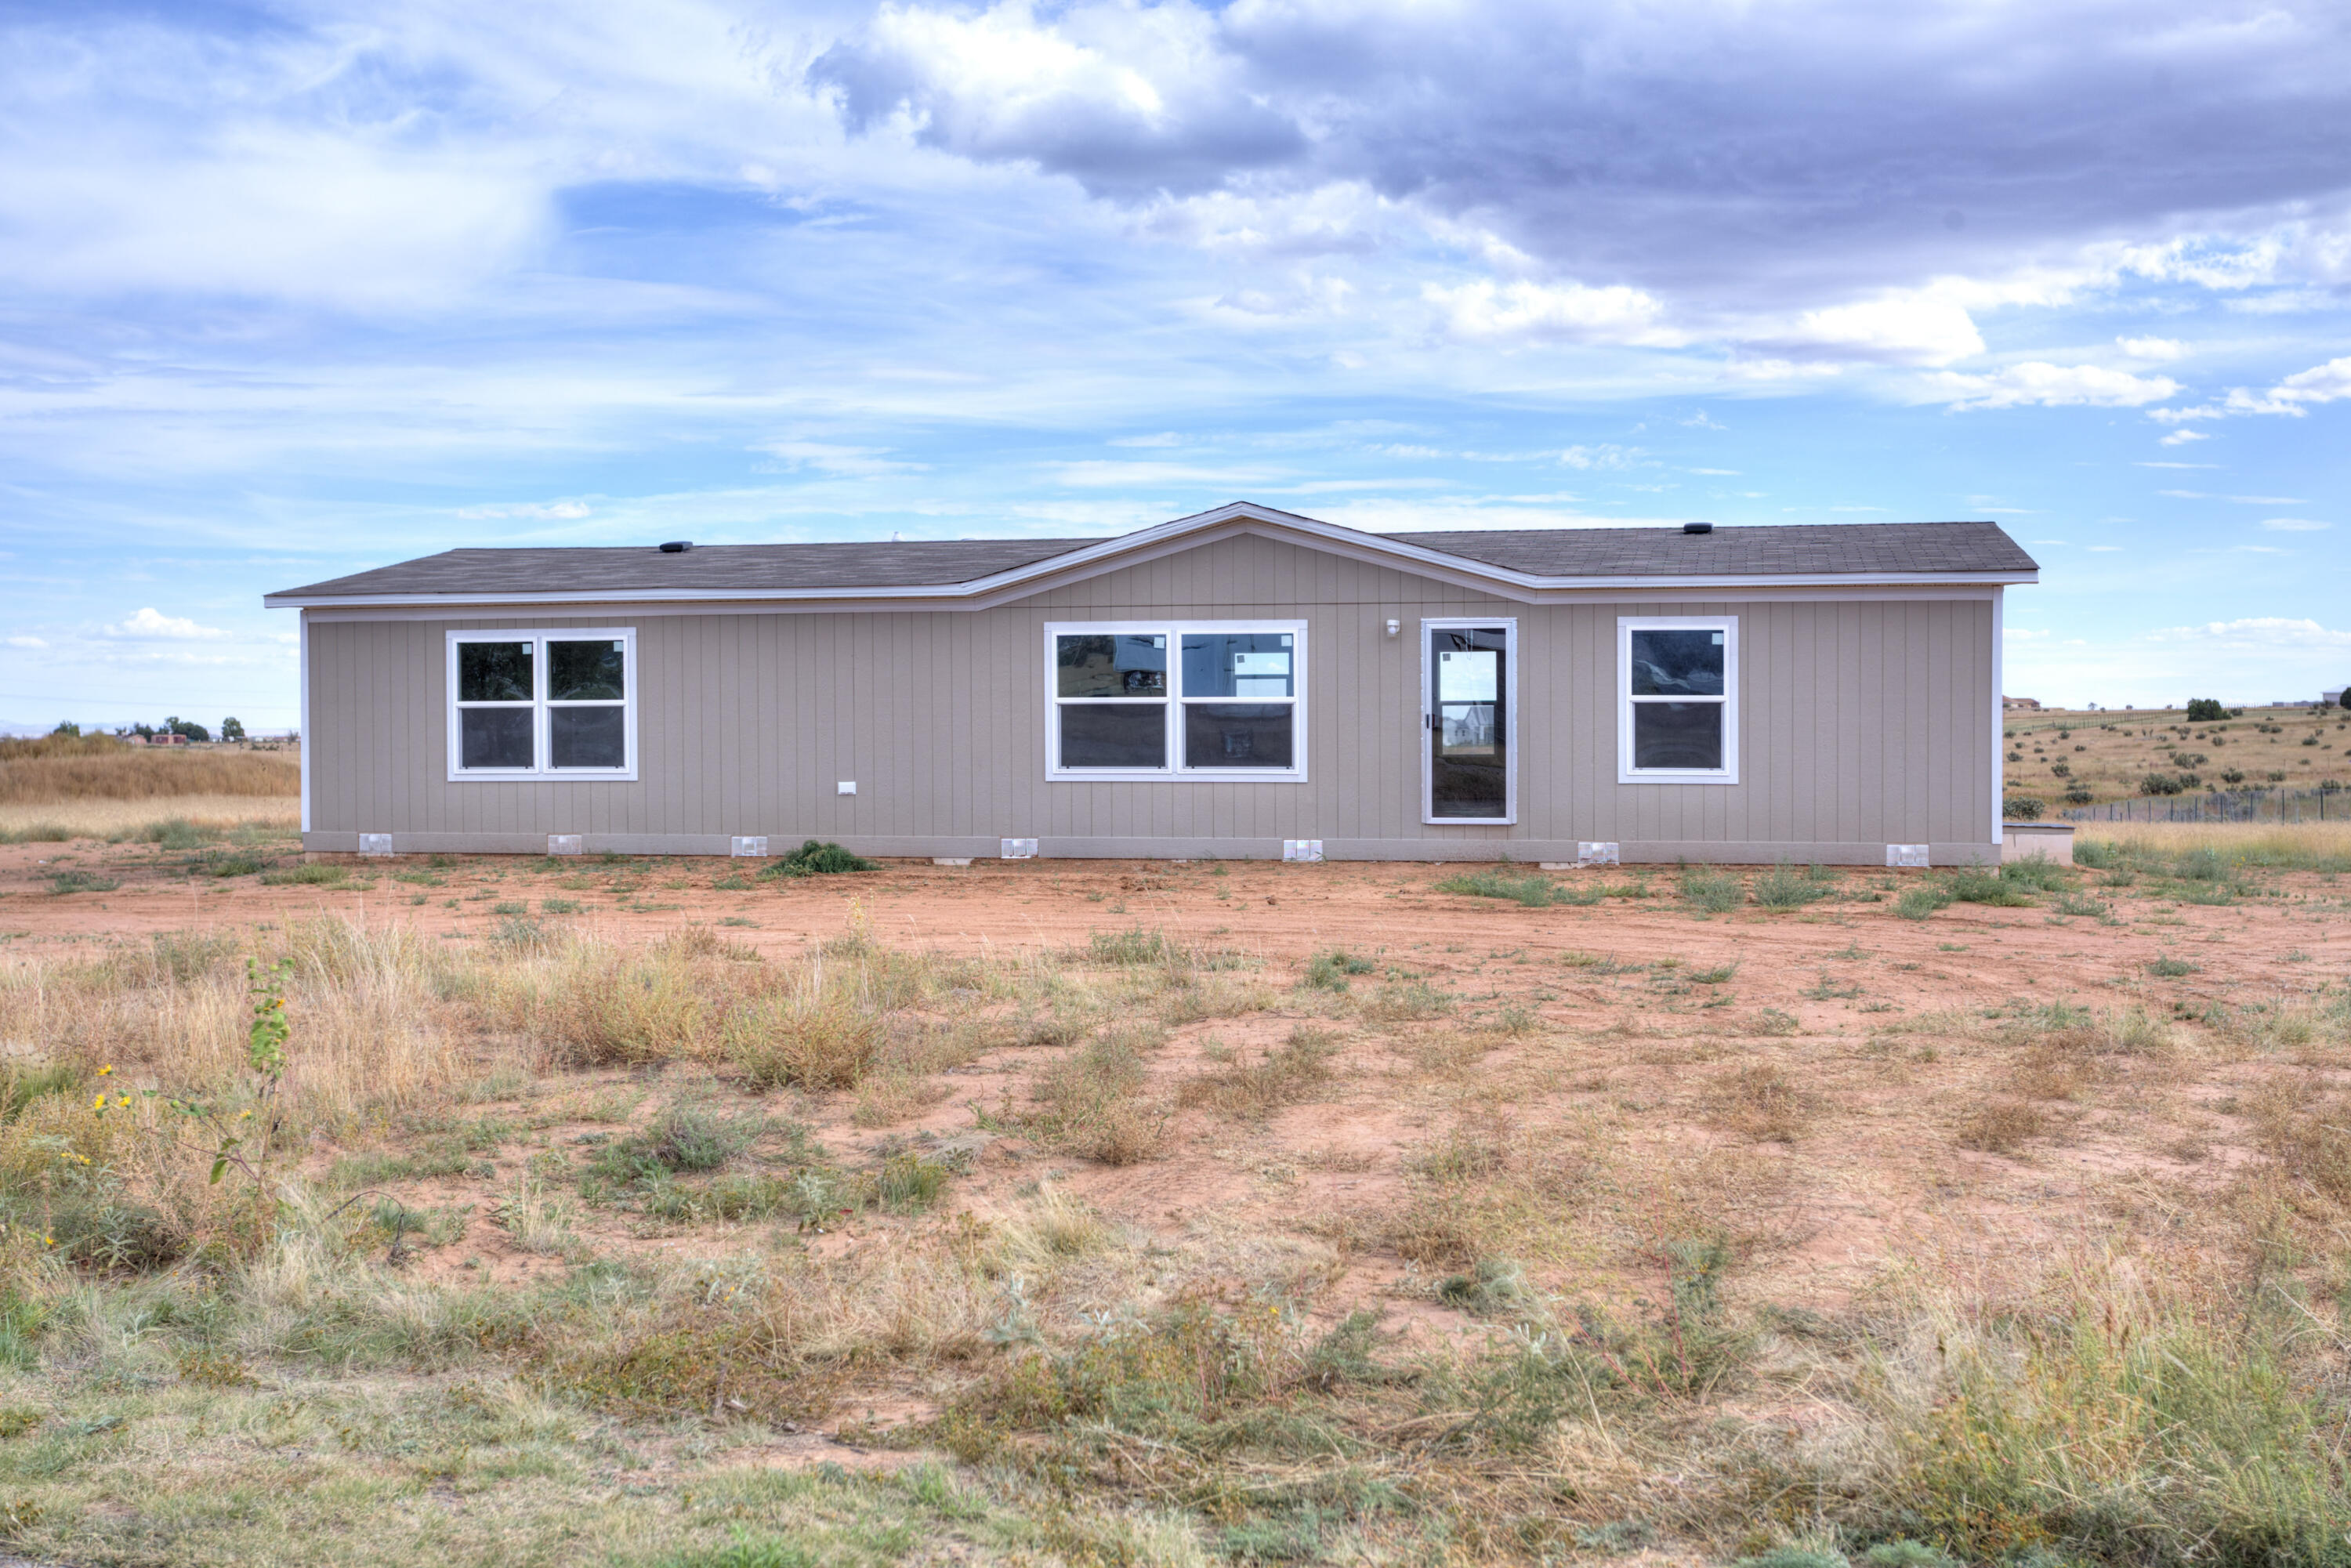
[1244,682]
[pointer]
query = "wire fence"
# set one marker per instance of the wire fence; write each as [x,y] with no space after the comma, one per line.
[2325,803]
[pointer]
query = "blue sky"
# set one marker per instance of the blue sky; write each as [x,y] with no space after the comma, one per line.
[290,290]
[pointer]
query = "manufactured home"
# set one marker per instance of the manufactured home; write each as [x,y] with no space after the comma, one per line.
[1244,682]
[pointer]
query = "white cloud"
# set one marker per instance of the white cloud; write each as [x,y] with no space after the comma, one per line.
[2151,348]
[2020,634]
[2320,383]
[2036,382]
[550,511]
[841,462]
[1164,438]
[2258,631]
[1733,472]
[1573,311]
[1907,328]
[150,624]
[2295,525]
[1603,457]
[2105,549]
[2182,437]
[1094,474]
[27,643]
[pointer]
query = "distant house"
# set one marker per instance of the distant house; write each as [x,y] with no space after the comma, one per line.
[168,737]
[2331,699]
[1247,682]
[2020,705]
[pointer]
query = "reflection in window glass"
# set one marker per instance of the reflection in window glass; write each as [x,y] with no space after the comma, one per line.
[1678,735]
[1236,735]
[1677,663]
[494,737]
[586,671]
[493,672]
[1114,735]
[1237,664]
[588,738]
[1111,666]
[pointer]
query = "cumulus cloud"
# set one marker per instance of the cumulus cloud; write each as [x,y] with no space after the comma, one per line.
[1825,150]
[1910,328]
[2182,437]
[2037,383]
[150,624]
[25,641]
[1525,310]
[2295,525]
[2151,348]
[1128,99]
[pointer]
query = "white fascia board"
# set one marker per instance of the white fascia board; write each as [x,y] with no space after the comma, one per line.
[1184,533]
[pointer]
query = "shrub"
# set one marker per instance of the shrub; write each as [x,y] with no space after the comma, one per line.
[1921,901]
[2023,808]
[1329,971]
[2205,710]
[824,1043]
[75,880]
[1091,1103]
[2160,784]
[1132,949]
[1981,884]
[1717,893]
[2037,872]
[2078,794]
[1525,887]
[318,873]
[815,859]
[1783,888]
[1283,1076]
[2001,1126]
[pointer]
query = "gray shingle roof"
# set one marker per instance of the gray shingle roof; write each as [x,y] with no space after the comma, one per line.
[639,569]
[1806,550]
[1806,547]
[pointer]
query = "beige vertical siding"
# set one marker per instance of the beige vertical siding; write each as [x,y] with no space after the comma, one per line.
[1863,721]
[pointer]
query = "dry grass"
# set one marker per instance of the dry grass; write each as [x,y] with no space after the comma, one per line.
[99,818]
[137,773]
[2294,843]
[2001,1126]
[1762,1101]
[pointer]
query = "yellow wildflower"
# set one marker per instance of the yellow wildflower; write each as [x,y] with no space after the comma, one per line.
[99,1103]
[104,1071]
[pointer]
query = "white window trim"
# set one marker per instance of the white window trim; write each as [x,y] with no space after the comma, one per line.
[1175,771]
[1509,625]
[625,635]
[1729,772]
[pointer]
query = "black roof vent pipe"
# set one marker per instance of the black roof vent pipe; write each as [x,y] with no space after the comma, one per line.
[1687,528]
[677,547]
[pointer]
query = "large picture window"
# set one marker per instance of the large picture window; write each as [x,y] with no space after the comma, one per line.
[1175,700]
[1677,709]
[535,705]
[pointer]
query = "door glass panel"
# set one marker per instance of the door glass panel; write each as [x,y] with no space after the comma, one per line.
[493,672]
[1114,735]
[1110,666]
[587,736]
[1469,726]
[586,671]
[1236,735]
[494,738]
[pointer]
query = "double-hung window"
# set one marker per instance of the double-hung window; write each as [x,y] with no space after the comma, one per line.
[540,704]
[1677,699]
[1177,700]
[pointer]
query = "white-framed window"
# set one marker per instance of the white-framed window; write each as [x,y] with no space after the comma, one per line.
[1175,699]
[543,705]
[1677,699]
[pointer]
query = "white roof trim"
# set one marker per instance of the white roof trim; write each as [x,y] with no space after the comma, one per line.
[1238,516]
